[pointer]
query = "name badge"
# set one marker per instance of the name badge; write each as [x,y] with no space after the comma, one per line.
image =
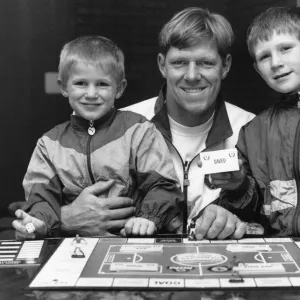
[219,161]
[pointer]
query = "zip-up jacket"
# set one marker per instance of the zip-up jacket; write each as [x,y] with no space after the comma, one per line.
[270,149]
[125,147]
[228,119]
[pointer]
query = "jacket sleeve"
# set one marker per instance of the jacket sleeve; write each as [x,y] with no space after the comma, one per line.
[162,199]
[43,189]
[246,200]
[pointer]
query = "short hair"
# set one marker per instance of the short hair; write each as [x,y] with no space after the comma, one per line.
[192,25]
[91,49]
[278,19]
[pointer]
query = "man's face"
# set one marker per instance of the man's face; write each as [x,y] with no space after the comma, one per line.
[91,90]
[193,78]
[278,62]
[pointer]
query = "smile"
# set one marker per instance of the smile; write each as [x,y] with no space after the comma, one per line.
[193,91]
[281,75]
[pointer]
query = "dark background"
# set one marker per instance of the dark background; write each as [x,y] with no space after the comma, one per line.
[32,33]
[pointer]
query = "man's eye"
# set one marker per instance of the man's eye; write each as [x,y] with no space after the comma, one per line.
[206,63]
[178,63]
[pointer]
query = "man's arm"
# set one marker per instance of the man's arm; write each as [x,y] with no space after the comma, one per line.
[89,215]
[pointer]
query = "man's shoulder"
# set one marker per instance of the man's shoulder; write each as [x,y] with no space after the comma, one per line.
[237,115]
[145,108]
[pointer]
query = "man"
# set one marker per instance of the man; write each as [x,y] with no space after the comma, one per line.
[194,58]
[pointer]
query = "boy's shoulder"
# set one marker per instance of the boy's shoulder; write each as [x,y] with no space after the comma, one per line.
[56,131]
[130,118]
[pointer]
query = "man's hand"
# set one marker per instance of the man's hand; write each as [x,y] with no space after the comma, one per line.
[92,215]
[22,220]
[218,223]
[227,180]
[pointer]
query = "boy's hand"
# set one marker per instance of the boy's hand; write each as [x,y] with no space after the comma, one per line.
[138,226]
[227,180]
[22,219]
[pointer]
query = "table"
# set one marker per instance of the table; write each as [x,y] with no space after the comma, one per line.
[14,283]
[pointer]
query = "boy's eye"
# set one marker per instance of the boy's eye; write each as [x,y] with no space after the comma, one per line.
[263,57]
[102,84]
[79,83]
[285,48]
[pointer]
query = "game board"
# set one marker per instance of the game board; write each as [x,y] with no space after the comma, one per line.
[176,263]
[21,253]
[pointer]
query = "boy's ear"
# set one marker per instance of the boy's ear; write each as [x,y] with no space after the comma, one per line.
[63,89]
[161,61]
[121,88]
[226,66]
[256,68]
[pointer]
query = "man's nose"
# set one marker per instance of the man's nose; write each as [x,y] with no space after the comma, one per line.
[192,72]
[92,91]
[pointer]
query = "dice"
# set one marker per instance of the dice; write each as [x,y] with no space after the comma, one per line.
[30,227]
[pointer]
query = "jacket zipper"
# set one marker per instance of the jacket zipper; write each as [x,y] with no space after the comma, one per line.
[91,132]
[186,183]
[297,179]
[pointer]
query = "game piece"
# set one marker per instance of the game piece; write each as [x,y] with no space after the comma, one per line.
[30,227]
[235,275]
[191,231]
[78,241]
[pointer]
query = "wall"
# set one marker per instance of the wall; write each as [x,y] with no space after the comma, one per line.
[33,32]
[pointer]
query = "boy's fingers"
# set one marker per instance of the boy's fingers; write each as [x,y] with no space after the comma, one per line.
[144,228]
[21,214]
[129,226]
[17,224]
[151,229]
[24,236]
[136,228]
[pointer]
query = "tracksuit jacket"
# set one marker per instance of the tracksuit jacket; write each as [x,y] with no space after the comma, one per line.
[125,147]
[270,148]
[228,119]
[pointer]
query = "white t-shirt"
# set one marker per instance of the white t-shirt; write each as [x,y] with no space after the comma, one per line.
[189,141]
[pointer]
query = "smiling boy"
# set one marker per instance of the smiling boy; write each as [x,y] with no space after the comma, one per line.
[270,143]
[121,151]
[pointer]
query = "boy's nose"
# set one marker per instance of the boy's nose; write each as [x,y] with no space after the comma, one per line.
[276,61]
[192,72]
[92,92]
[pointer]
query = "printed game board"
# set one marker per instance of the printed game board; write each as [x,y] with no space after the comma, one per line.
[21,253]
[119,263]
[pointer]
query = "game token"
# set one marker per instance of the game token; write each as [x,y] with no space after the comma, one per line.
[30,227]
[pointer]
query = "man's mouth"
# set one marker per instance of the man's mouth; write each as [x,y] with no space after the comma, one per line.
[281,75]
[193,90]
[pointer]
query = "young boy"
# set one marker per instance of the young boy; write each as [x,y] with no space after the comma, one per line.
[99,144]
[270,144]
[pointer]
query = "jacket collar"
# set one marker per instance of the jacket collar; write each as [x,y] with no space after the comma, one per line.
[81,124]
[220,130]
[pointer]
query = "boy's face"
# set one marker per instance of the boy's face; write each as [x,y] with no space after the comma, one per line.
[91,90]
[278,62]
[194,77]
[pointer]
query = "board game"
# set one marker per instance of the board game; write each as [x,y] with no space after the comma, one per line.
[21,253]
[171,263]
